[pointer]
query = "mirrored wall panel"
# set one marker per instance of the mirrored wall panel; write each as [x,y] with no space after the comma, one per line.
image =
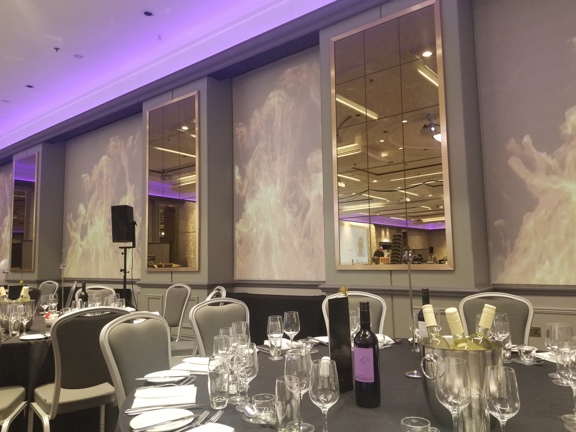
[173,186]
[390,146]
[24,214]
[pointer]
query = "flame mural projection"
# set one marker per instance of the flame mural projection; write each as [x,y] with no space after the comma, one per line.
[527,91]
[5,218]
[279,227]
[101,172]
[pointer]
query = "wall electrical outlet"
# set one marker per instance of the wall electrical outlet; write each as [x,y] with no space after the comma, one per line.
[535,332]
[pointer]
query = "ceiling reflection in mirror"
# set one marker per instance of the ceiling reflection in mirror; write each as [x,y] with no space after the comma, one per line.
[173,185]
[391,157]
[24,214]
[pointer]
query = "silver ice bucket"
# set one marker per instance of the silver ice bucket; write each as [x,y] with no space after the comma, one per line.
[477,362]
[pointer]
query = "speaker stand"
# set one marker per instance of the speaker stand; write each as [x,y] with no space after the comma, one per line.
[125,295]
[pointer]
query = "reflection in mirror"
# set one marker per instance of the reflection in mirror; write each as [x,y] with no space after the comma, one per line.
[391,158]
[172,185]
[24,214]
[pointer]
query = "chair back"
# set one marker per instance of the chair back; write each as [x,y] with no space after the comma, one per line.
[175,301]
[48,287]
[377,307]
[71,294]
[217,292]
[94,289]
[519,310]
[208,317]
[78,360]
[133,346]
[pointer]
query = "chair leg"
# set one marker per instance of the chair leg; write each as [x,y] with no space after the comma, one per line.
[102,418]
[31,415]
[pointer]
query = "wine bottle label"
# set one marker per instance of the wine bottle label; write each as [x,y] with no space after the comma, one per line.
[364,364]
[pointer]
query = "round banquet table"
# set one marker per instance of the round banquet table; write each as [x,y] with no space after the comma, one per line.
[542,402]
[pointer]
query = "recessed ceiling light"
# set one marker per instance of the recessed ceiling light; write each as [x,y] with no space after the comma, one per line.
[426,53]
[148,13]
[404,121]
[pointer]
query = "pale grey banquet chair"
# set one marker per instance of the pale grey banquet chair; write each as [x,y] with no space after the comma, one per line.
[175,302]
[12,403]
[81,379]
[133,346]
[209,316]
[519,310]
[93,289]
[377,307]
[217,292]
[48,287]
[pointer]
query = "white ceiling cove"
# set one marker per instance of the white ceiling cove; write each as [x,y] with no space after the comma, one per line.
[59,58]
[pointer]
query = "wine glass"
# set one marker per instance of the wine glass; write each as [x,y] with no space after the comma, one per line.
[44,302]
[14,320]
[291,325]
[297,362]
[236,359]
[453,375]
[501,391]
[275,330]
[501,333]
[240,327]
[354,324]
[53,301]
[324,388]
[557,333]
[26,314]
[225,331]
[247,372]
[566,368]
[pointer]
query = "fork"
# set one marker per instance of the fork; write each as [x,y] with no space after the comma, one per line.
[215,417]
[200,418]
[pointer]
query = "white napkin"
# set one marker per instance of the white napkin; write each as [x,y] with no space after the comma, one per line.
[164,396]
[548,356]
[285,343]
[384,340]
[213,427]
[197,365]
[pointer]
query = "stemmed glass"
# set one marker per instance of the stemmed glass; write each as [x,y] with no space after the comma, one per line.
[324,388]
[275,331]
[557,333]
[236,359]
[44,303]
[501,332]
[291,325]
[354,324]
[501,391]
[297,362]
[246,372]
[453,375]
[566,367]
[53,301]
[13,318]
[26,314]
[240,328]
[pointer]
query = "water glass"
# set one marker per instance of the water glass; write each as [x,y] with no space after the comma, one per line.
[287,404]
[416,424]
[265,407]
[527,354]
[218,373]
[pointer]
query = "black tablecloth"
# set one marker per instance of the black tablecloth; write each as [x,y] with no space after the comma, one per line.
[542,402]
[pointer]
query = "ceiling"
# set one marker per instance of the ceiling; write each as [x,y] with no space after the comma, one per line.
[61,58]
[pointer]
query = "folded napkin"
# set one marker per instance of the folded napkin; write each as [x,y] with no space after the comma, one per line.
[384,340]
[213,427]
[197,365]
[165,396]
[548,356]
[285,343]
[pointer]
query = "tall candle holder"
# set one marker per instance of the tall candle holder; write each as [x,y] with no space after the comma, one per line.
[408,257]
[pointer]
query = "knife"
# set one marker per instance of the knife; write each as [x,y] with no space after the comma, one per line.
[134,411]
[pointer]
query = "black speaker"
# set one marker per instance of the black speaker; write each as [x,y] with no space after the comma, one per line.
[122,224]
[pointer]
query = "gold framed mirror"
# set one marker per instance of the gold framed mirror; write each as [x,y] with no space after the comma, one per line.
[389,144]
[23,252]
[173,185]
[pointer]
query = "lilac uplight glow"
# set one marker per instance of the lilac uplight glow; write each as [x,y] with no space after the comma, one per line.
[400,223]
[190,33]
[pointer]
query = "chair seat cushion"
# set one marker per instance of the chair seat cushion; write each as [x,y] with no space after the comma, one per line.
[74,399]
[10,398]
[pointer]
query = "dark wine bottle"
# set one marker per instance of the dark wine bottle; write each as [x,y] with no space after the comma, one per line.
[84,295]
[366,362]
[422,329]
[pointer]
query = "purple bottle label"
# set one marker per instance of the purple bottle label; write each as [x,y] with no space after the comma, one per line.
[364,365]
